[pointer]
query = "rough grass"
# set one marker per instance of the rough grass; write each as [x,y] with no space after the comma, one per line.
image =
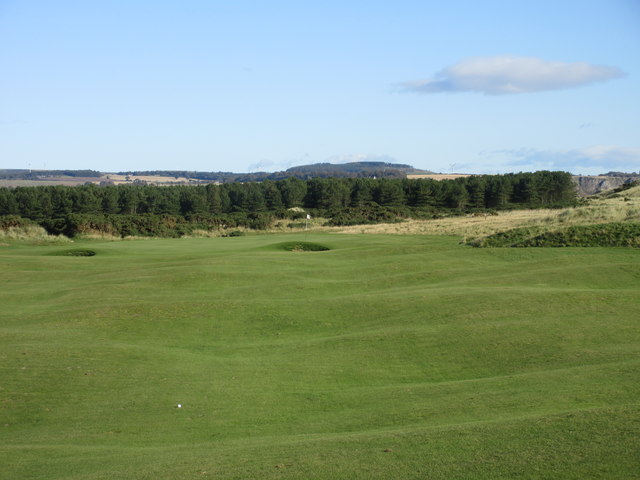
[385,357]
[603,208]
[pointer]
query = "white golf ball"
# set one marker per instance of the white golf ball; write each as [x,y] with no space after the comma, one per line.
[179,405]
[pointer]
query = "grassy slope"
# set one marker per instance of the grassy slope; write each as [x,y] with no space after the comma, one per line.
[462,362]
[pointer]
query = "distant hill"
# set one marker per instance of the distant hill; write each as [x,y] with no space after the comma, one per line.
[353,169]
[21,177]
[586,185]
[350,170]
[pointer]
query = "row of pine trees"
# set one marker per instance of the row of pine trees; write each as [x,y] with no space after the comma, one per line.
[520,190]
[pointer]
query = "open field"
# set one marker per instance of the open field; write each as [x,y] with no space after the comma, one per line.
[53,181]
[385,357]
[112,178]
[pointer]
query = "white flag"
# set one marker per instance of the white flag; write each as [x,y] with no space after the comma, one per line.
[308,217]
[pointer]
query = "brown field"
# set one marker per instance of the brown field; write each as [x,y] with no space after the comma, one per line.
[152,179]
[441,176]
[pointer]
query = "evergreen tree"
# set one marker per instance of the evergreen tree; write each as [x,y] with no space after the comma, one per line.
[389,192]
[476,186]
[214,200]
[110,200]
[128,199]
[8,202]
[272,195]
[255,198]
[293,191]
[361,191]
[421,193]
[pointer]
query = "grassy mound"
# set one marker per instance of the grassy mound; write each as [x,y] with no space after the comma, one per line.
[600,235]
[508,238]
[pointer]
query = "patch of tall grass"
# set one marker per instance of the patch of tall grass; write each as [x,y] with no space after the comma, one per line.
[31,234]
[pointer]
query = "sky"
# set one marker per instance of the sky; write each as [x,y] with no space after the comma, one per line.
[244,86]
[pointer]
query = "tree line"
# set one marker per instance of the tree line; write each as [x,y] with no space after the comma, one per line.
[253,204]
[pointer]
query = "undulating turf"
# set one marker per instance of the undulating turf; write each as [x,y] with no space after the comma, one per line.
[381,357]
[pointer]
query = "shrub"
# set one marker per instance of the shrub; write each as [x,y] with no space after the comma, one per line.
[14,221]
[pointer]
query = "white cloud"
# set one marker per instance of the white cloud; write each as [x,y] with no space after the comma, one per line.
[592,160]
[508,74]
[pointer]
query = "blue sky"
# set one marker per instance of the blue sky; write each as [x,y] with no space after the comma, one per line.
[465,86]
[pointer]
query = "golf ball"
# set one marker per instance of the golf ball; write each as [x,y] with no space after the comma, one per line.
[179,405]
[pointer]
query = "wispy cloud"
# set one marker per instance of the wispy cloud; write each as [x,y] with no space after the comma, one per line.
[268,166]
[508,74]
[588,161]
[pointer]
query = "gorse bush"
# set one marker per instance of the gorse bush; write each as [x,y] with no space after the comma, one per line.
[151,225]
[367,214]
[14,221]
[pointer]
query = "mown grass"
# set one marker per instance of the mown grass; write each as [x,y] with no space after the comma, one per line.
[383,357]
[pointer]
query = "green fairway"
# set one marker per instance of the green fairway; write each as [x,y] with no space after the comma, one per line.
[382,357]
